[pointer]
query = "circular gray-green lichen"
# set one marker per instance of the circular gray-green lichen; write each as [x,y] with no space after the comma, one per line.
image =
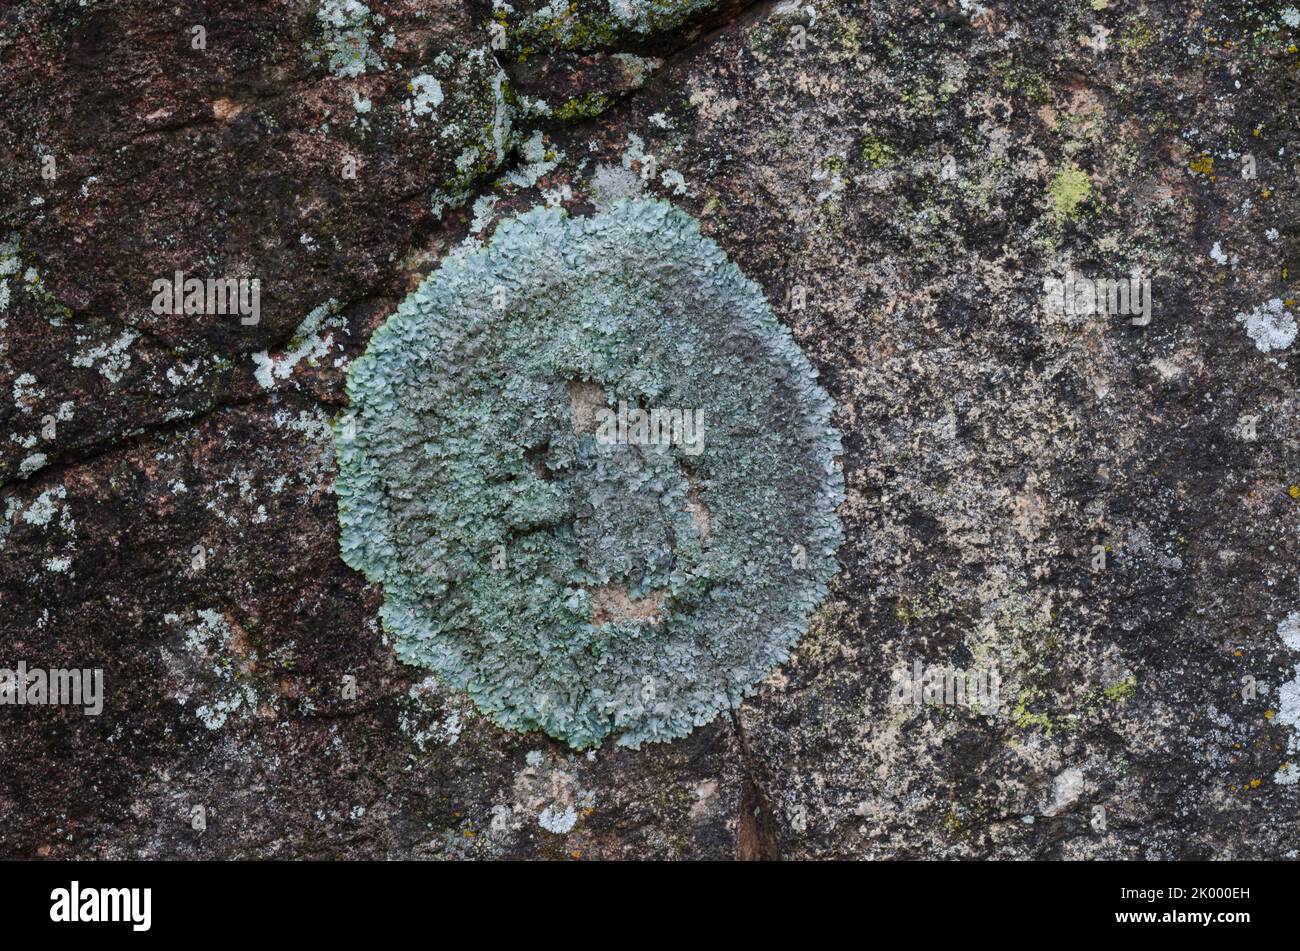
[569,580]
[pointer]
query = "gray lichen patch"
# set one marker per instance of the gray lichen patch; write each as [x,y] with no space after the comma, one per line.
[1288,713]
[591,584]
[214,668]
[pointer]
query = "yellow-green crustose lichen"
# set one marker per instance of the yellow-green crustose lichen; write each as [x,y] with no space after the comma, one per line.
[590,590]
[1068,190]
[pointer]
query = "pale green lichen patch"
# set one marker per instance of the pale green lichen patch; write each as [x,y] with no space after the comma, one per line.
[466,100]
[590,590]
[10,264]
[347,45]
[595,24]
[20,277]
[312,341]
[1069,189]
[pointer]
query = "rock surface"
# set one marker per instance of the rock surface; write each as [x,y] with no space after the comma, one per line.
[1101,507]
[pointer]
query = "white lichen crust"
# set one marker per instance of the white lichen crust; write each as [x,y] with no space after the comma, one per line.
[589,590]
